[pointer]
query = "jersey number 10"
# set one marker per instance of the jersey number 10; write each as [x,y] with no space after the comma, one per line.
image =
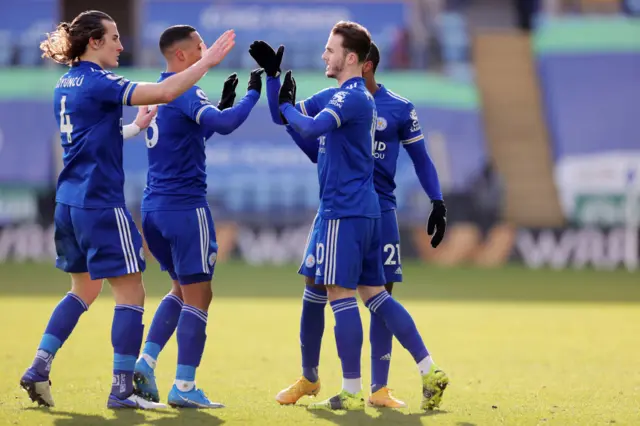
[65,119]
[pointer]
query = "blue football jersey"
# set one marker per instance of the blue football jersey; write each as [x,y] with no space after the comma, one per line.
[397,124]
[177,177]
[345,155]
[88,107]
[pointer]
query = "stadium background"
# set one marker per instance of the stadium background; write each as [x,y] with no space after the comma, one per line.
[530,110]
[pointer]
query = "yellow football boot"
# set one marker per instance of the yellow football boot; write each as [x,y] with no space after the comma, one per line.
[382,398]
[300,388]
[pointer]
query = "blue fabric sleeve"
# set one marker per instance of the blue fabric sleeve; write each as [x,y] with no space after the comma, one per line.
[310,127]
[212,120]
[273,92]
[425,169]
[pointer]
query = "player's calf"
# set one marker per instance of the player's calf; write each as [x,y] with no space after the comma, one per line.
[191,333]
[163,325]
[35,381]
[401,324]
[126,337]
[314,300]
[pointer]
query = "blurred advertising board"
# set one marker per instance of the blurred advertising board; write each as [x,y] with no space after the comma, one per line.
[589,75]
[302,25]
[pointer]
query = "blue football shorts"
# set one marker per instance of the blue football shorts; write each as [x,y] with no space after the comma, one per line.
[183,242]
[344,252]
[103,242]
[390,245]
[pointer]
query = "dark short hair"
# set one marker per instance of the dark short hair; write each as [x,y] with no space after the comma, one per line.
[174,34]
[355,38]
[374,56]
[69,41]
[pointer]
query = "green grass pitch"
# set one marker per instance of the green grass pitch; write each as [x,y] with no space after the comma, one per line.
[521,348]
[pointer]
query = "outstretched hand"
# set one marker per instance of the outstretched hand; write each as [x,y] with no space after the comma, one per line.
[219,49]
[266,57]
[228,96]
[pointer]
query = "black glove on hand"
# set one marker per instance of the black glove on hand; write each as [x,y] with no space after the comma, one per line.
[287,93]
[437,222]
[287,90]
[228,92]
[266,57]
[255,80]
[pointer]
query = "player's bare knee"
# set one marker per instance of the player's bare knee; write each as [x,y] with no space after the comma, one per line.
[128,289]
[335,292]
[85,288]
[198,294]
[310,283]
[367,292]
[176,289]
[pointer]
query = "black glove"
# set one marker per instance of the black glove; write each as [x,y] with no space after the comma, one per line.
[287,90]
[287,93]
[228,92]
[255,80]
[437,223]
[266,57]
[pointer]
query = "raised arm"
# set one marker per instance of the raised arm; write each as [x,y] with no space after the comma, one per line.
[169,89]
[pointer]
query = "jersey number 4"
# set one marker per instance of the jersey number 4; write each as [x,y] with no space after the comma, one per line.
[65,119]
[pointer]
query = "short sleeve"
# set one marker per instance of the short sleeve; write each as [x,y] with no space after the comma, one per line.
[410,130]
[111,88]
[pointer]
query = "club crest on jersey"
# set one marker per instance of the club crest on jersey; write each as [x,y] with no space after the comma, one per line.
[338,99]
[381,124]
[310,261]
[212,258]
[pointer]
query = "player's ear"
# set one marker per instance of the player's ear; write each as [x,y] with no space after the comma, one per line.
[352,58]
[180,55]
[94,43]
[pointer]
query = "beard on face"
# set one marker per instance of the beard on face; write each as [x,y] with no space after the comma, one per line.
[336,69]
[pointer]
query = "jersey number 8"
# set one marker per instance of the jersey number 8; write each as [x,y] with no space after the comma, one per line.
[65,120]
[153,140]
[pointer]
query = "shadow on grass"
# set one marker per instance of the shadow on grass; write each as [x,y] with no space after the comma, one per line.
[134,417]
[385,417]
